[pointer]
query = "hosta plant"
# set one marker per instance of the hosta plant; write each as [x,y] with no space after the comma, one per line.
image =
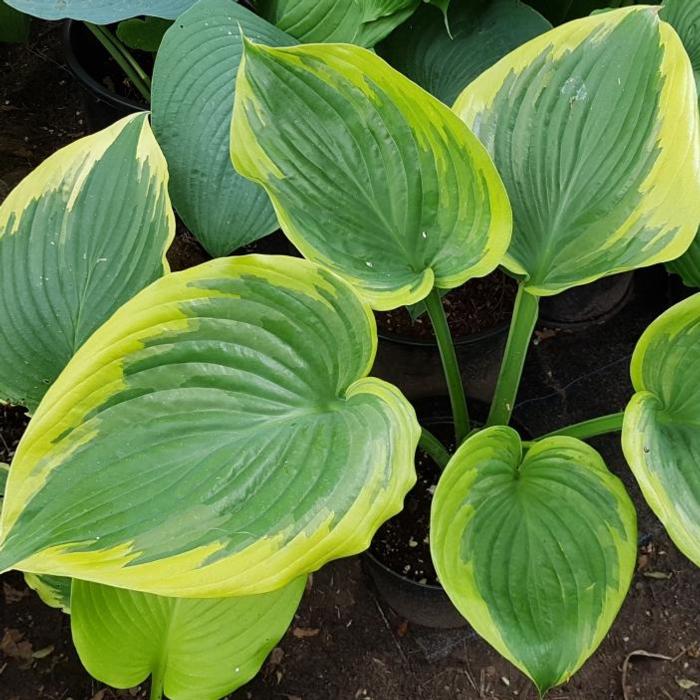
[373,178]
[201,441]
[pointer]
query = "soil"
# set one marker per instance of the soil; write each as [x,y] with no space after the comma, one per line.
[478,306]
[345,643]
[402,543]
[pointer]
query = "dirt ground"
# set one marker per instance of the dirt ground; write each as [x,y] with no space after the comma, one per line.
[345,643]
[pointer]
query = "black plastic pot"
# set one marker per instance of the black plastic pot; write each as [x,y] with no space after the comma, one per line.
[419,603]
[87,58]
[415,366]
[588,305]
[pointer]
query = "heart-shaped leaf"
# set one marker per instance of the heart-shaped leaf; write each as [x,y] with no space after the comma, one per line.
[369,174]
[444,65]
[217,436]
[194,649]
[536,551]
[101,11]
[79,236]
[661,431]
[363,22]
[192,97]
[594,128]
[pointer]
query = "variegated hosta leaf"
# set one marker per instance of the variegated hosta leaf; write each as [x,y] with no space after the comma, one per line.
[444,65]
[101,11]
[363,22]
[192,95]
[369,174]
[661,431]
[594,128]
[55,591]
[79,236]
[193,649]
[536,550]
[217,436]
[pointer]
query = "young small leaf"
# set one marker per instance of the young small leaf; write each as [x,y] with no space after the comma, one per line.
[537,550]
[143,34]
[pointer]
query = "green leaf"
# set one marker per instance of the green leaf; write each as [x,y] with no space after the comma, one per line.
[4,473]
[54,591]
[217,436]
[194,649]
[559,11]
[192,94]
[688,265]
[368,174]
[536,550]
[362,22]
[661,430]
[684,17]
[582,123]
[444,65]
[101,11]
[143,34]
[14,25]
[79,236]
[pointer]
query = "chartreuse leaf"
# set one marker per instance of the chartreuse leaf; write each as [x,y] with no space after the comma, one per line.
[536,550]
[444,65]
[661,430]
[369,174]
[194,649]
[101,11]
[54,591]
[363,22]
[217,436]
[192,96]
[79,236]
[594,128]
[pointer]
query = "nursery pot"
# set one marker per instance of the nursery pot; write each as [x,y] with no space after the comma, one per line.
[424,604]
[587,305]
[421,602]
[89,62]
[413,361]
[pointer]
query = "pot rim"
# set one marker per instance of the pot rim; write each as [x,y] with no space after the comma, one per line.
[83,76]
